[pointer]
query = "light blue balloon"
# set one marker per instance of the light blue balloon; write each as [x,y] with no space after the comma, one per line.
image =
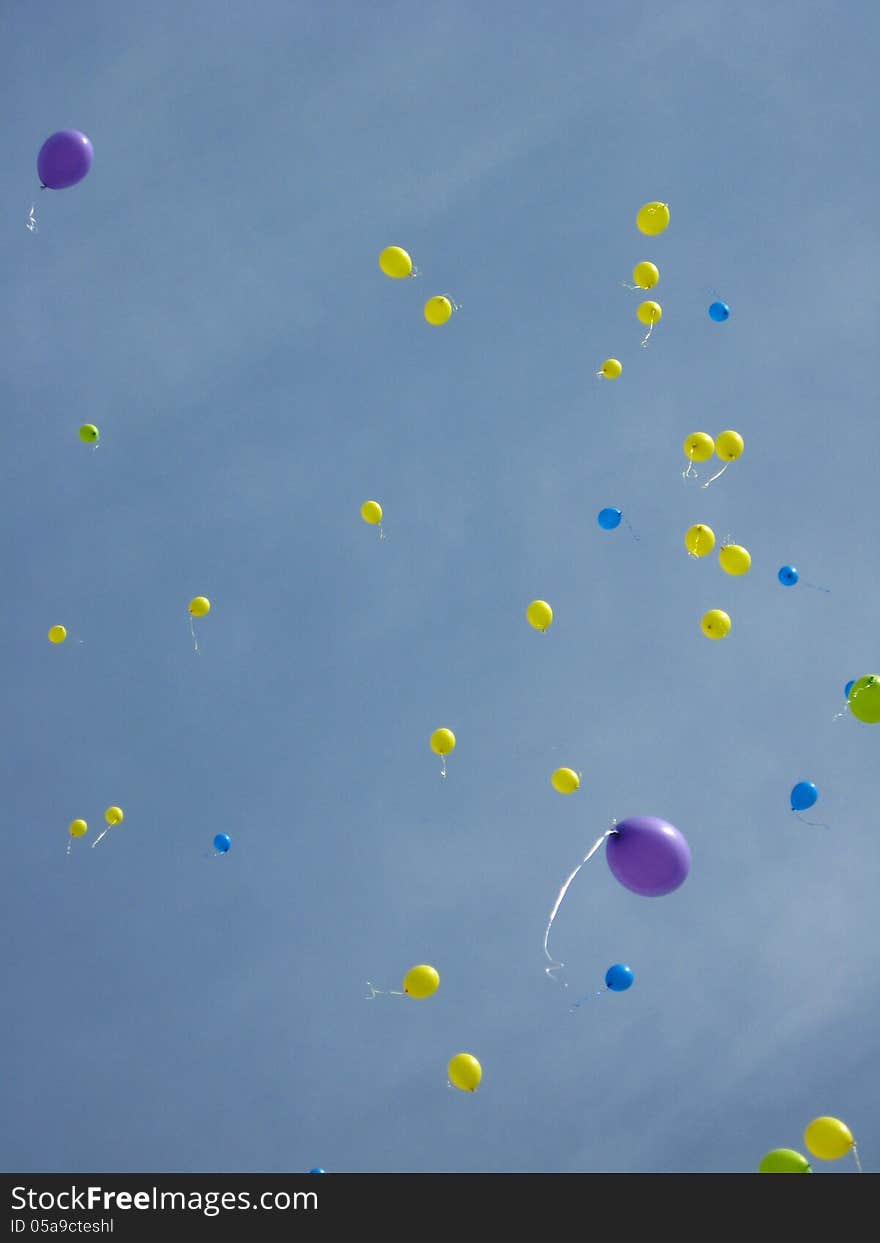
[803,796]
[316,1170]
[788,576]
[719,311]
[619,977]
[222,843]
[609,519]
[848,688]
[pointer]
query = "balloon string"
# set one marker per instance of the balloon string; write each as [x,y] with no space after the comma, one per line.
[381,532]
[381,992]
[101,835]
[32,219]
[647,335]
[631,531]
[718,476]
[597,993]
[442,765]
[855,1153]
[827,590]
[192,631]
[690,470]
[813,823]
[838,715]
[69,844]
[557,966]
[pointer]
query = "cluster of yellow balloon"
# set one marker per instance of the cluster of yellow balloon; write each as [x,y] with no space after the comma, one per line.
[396,263]
[78,828]
[651,220]
[829,1139]
[699,447]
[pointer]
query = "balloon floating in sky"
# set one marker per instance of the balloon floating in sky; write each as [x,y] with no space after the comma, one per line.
[222,843]
[442,743]
[618,979]
[610,369]
[645,275]
[609,518]
[647,855]
[113,815]
[57,634]
[316,1169]
[784,1161]
[789,576]
[64,159]
[653,218]
[396,263]
[864,699]
[735,559]
[699,540]
[649,313]
[421,981]
[829,1139]
[539,614]
[565,780]
[803,795]
[848,688]
[199,606]
[698,447]
[89,434]
[465,1072]
[715,624]
[728,446]
[371,512]
[719,312]
[78,828]
[438,310]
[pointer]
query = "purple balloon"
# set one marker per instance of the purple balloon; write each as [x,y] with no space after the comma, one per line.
[64,159]
[648,855]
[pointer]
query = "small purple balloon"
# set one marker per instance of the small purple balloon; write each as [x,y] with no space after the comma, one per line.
[64,159]
[648,855]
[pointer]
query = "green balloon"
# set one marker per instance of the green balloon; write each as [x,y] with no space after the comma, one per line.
[864,699]
[784,1161]
[89,433]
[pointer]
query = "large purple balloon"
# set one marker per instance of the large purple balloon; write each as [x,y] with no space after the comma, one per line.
[648,855]
[64,159]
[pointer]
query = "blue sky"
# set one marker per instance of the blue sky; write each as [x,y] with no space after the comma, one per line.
[210,297]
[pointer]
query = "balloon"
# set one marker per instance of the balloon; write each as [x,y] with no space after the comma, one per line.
[78,828]
[611,369]
[719,311]
[442,741]
[848,688]
[465,1072]
[784,1161]
[395,262]
[803,796]
[565,780]
[421,981]
[648,855]
[438,310]
[65,158]
[649,313]
[316,1170]
[828,1138]
[699,446]
[699,540]
[788,575]
[222,843]
[864,699]
[114,815]
[645,275]
[539,614]
[716,624]
[609,519]
[89,433]
[371,511]
[729,446]
[199,606]
[653,218]
[735,559]
[618,978]
[57,634]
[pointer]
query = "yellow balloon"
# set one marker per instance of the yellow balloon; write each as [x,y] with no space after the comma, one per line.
[371,511]
[539,614]
[421,981]
[465,1072]
[565,780]
[716,624]
[828,1138]
[864,699]
[611,368]
[395,262]
[699,540]
[646,275]
[438,310]
[113,815]
[649,312]
[57,634]
[78,828]
[653,218]
[729,446]
[442,741]
[199,606]
[699,447]
[735,559]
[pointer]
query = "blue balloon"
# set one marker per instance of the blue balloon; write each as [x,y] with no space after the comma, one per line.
[719,311]
[618,978]
[803,796]
[222,842]
[848,688]
[609,519]
[788,576]
[317,1170]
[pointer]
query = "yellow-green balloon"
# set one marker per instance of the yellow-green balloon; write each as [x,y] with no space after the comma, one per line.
[864,699]
[784,1161]
[88,433]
